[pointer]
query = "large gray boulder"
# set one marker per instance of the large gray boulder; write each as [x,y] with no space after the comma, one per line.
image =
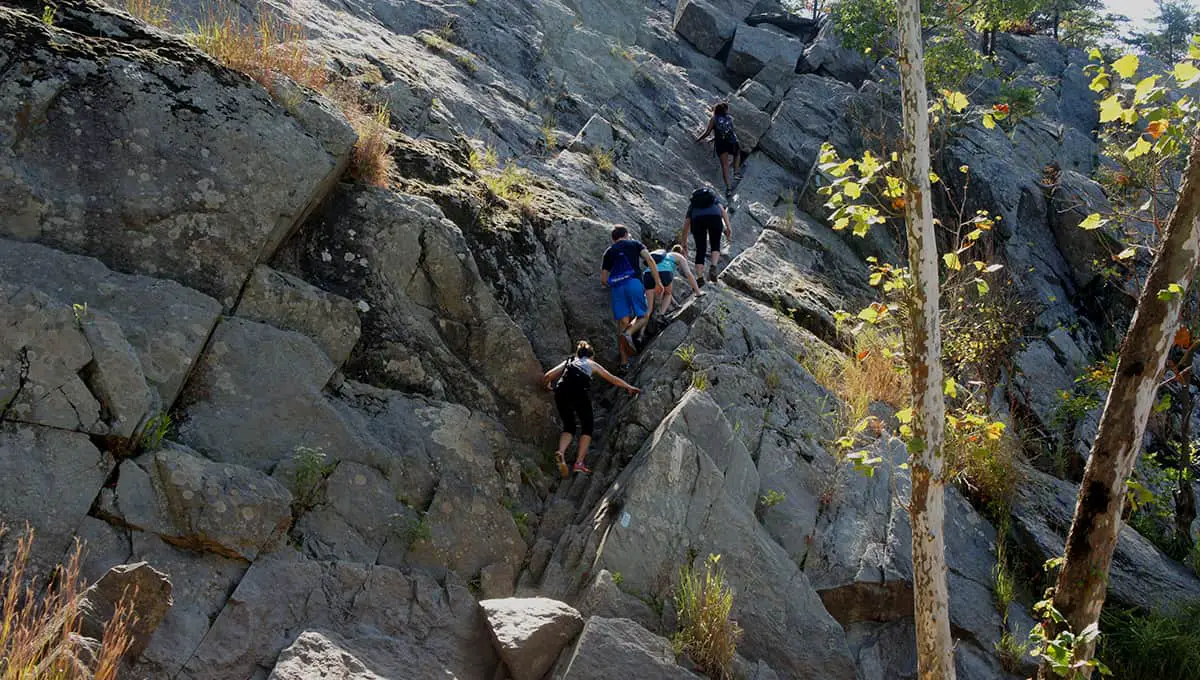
[620,648]
[529,633]
[143,591]
[814,111]
[217,507]
[48,478]
[165,323]
[317,654]
[707,28]
[140,151]
[430,324]
[827,57]
[435,627]
[292,304]
[1140,576]
[755,47]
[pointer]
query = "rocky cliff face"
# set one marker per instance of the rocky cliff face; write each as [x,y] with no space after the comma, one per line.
[355,445]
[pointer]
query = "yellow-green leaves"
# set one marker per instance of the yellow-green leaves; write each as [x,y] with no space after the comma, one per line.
[955,101]
[1186,74]
[989,121]
[950,388]
[1111,109]
[952,261]
[1144,88]
[1126,66]
[1138,149]
[1092,222]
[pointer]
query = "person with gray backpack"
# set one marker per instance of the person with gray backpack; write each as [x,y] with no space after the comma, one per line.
[706,220]
[725,141]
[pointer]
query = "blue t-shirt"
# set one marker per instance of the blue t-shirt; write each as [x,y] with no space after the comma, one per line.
[620,260]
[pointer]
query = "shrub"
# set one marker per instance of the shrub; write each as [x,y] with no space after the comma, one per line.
[268,49]
[372,159]
[39,629]
[1152,645]
[706,633]
[309,472]
[485,160]
[983,456]
[1011,650]
[603,160]
[153,12]
[508,184]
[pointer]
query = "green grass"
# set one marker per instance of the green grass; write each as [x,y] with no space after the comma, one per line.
[706,633]
[1138,645]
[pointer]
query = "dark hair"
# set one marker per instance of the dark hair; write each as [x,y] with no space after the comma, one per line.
[583,349]
[619,232]
[676,248]
[721,109]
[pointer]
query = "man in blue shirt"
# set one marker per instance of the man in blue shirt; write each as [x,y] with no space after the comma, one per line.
[620,272]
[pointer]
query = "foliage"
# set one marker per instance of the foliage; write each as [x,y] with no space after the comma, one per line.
[864,25]
[602,160]
[371,162]
[771,498]
[700,380]
[39,623]
[549,134]
[270,48]
[151,435]
[1058,652]
[1010,650]
[48,15]
[982,456]
[417,529]
[467,61]
[1174,25]
[308,473]
[510,183]
[1153,645]
[686,354]
[153,12]
[483,160]
[706,633]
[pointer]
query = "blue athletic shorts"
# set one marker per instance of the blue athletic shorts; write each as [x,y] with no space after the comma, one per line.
[628,299]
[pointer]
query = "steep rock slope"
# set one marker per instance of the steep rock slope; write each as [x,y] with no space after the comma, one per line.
[357,441]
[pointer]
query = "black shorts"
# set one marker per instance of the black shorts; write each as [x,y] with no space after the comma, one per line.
[665,277]
[572,403]
[707,235]
[729,146]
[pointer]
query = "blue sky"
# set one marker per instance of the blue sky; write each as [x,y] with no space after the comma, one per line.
[1138,10]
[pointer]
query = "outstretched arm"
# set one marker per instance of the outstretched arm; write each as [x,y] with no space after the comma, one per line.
[681,262]
[553,374]
[649,260]
[683,238]
[707,131]
[728,228]
[604,277]
[600,371]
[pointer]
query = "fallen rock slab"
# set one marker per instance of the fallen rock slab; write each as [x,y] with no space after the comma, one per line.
[530,632]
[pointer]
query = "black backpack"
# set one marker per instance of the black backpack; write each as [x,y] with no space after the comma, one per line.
[703,197]
[573,377]
[723,125]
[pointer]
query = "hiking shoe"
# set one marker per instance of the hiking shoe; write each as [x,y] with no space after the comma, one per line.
[562,466]
[712,275]
[629,341]
[580,467]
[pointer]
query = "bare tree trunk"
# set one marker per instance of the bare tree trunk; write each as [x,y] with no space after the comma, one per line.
[935,647]
[1079,593]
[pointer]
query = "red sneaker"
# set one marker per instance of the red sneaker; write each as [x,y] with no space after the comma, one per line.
[580,467]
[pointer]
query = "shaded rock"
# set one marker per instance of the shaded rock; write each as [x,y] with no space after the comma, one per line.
[707,28]
[826,56]
[812,112]
[468,531]
[430,324]
[496,581]
[757,94]
[435,627]
[604,598]
[287,302]
[145,591]
[530,632]
[48,478]
[176,167]
[227,509]
[165,323]
[1039,378]
[1140,576]
[620,648]
[256,397]
[750,122]
[755,47]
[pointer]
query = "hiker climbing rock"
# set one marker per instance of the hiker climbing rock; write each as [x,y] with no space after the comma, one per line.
[571,381]
[706,220]
[725,142]
[619,271]
[669,262]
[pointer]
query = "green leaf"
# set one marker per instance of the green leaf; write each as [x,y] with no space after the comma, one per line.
[989,121]
[982,287]
[1126,66]
[1110,109]
[1169,293]
[869,315]
[1138,149]
[950,389]
[852,190]
[1127,253]
[1186,74]
[952,261]
[1095,54]
[905,416]
[1092,222]
[1100,83]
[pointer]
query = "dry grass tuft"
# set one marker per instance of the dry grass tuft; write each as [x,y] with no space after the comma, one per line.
[153,12]
[270,48]
[706,633]
[372,159]
[39,634]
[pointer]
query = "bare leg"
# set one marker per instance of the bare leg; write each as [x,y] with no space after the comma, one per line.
[725,169]
[560,456]
[639,323]
[737,161]
[649,301]
[623,345]
[667,297]
[584,442]
[564,440]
